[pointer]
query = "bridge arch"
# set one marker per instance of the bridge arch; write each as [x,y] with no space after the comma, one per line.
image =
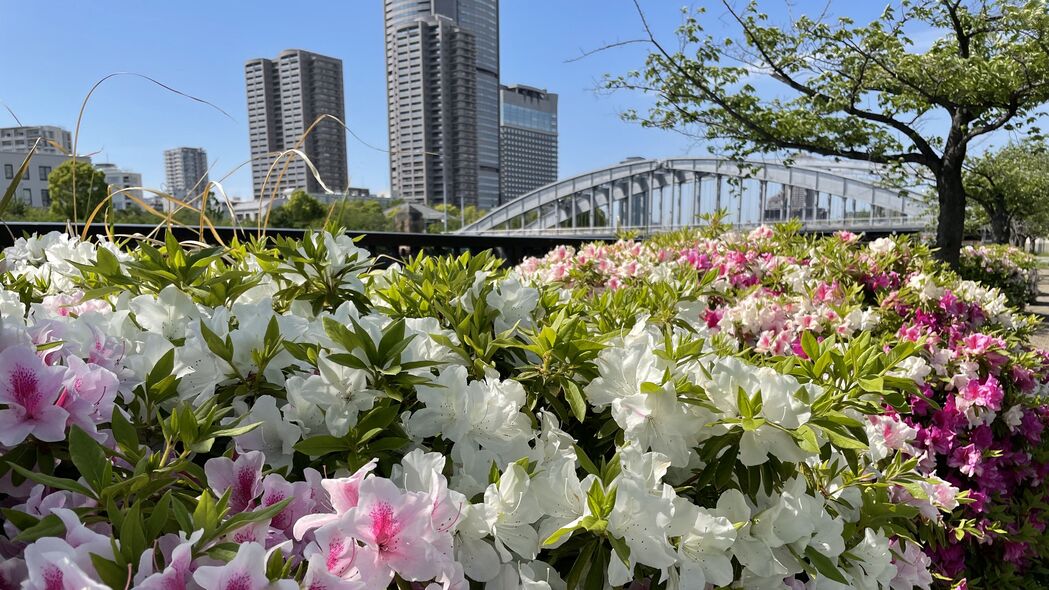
[650,195]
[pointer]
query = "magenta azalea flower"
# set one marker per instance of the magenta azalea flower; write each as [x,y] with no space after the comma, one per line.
[29,389]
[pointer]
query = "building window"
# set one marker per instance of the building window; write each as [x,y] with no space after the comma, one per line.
[44,172]
[9,171]
[45,196]
[27,194]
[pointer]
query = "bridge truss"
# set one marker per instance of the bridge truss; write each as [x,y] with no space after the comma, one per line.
[649,196]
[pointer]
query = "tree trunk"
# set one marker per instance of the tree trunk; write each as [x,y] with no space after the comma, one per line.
[950,222]
[1001,228]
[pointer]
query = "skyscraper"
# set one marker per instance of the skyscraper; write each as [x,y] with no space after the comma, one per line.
[186,171]
[528,139]
[442,84]
[285,97]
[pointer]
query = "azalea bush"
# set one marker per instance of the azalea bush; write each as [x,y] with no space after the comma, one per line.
[978,419]
[1010,269]
[753,411]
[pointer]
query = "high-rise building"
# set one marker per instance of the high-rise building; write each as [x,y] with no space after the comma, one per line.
[119,179]
[20,139]
[528,140]
[186,172]
[442,85]
[285,96]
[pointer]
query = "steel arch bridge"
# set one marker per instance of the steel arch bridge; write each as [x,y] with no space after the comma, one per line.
[663,194]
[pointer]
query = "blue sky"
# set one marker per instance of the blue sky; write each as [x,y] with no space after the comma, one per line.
[53,55]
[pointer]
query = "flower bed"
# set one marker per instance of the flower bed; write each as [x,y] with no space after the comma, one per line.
[764,411]
[1009,269]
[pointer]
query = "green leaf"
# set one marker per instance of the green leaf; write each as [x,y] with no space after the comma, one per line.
[743,402]
[215,344]
[558,534]
[59,483]
[389,443]
[580,565]
[317,446]
[574,396]
[244,518]
[124,433]
[233,431]
[132,533]
[165,365]
[19,519]
[806,438]
[49,526]
[159,516]
[810,345]
[110,572]
[649,387]
[621,548]
[88,457]
[872,385]
[824,565]
[843,441]
[585,462]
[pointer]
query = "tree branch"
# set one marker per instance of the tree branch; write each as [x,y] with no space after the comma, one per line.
[783,76]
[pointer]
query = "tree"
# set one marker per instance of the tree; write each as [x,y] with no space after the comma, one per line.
[1011,188]
[862,92]
[361,215]
[91,189]
[469,215]
[301,210]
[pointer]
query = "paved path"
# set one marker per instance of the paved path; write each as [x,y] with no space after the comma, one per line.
[1041,309]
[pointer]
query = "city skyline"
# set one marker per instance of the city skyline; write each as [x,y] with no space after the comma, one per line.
[132,121]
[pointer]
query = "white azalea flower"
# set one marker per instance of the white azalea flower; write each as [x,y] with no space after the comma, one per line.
[510,509]
[485,413]
[641,518]
[275,436]
[655,420]
[167,314]
[533,575]
[338,392]
[703,547]
[515,303]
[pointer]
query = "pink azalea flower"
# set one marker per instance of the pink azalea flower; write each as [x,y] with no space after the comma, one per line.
[52,565]
[343,494]
[318,577]
[333,563]
[176,575]
[276,489]
[88,395]
[12,573]
[392,526]
[244,476]
[246,571]
[30,388]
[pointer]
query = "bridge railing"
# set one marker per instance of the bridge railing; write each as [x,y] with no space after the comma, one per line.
[880,225]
